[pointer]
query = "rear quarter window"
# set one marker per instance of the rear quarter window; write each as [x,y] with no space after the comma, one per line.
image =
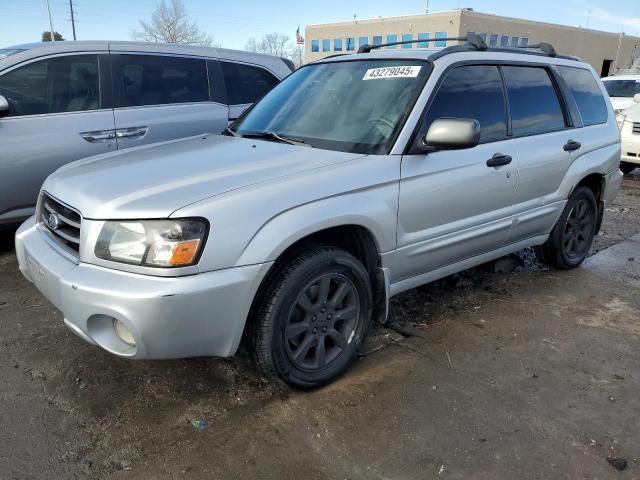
[586,93]
[246,83]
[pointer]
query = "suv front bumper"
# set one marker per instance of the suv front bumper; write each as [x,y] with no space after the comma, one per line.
[630,145]
[169,317]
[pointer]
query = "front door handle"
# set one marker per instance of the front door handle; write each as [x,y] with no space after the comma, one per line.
[571,145]
[133,132]
[98,136]
[498,160]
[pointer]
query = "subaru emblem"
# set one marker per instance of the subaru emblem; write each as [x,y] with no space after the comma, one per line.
[53,221]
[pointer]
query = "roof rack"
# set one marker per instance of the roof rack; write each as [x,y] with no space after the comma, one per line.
[472,40]
[546,48]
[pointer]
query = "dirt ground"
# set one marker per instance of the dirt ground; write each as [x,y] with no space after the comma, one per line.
[526,374]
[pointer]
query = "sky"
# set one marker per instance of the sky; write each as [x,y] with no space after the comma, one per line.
[231,24]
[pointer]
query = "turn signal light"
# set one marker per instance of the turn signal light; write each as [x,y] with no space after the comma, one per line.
[184,253]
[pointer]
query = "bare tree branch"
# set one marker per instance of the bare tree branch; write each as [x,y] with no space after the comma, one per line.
[171,24]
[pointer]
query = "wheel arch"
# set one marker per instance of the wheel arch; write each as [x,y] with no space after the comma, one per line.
[354,238]
[595,182]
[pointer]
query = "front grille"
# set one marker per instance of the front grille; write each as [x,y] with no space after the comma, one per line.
[636,127]
[62,222]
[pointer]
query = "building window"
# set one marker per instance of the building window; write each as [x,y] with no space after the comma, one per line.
[337,44]
[525,41]
[362,41]
[326,45]
[440,42]
[315,45]
[407,37]
[514,41]
[392,39]
[423,36]
[483,36]
[377,39]
[504,41]
[351,43]
[493,39]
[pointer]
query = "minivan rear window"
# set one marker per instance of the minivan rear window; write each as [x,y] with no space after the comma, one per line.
[246,83]
[586,93]
[533,101]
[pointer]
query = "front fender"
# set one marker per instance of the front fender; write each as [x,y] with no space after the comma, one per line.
[375,210]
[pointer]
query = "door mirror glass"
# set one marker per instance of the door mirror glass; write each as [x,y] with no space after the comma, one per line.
[636,98]
[452,134]
[4,107]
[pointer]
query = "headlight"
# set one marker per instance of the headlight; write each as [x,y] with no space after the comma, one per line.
[153,243]
[620,118]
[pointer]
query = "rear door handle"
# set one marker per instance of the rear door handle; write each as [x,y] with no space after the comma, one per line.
[99,136]
[571,145]
[498,160]
[133,132]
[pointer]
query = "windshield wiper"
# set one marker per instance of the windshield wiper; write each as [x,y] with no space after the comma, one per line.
[231,133]
[277,137]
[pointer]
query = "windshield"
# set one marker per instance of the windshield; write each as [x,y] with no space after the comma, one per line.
[5,52]
[351,106]
[622,88]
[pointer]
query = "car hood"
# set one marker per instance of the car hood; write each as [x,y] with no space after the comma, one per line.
[156,180]
[620,103]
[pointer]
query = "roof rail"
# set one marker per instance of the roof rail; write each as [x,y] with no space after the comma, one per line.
[546,48]
[471,39]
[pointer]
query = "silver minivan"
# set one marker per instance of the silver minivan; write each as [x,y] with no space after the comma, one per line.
[63,101]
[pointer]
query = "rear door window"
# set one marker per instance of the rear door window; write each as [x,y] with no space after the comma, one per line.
[533,101]
[475,92]
[61,84]
[162,80]
[246,83]
[587,95]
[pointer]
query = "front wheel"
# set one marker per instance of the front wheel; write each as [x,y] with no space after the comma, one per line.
[571,238]
[627,167]
[313,317]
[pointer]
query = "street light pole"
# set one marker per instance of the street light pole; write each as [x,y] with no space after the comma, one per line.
[53,38]
[73,22]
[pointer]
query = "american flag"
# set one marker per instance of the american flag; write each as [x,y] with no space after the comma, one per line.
[299,38]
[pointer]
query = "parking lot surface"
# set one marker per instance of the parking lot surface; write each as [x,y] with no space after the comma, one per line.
[526,374]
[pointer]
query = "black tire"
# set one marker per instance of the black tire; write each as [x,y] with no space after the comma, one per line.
[312,318]
[627,167]
[571,237]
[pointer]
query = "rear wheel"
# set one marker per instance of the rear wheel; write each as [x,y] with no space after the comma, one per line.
[571,238]
[627,167]
[313,318]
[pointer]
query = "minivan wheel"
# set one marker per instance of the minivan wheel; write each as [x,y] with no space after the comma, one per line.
[627,167]
[313,318]
[570,239]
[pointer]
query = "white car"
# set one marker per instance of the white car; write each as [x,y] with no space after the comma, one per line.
[621,89]
[629,123]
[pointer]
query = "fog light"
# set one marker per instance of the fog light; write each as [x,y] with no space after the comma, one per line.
[123,332]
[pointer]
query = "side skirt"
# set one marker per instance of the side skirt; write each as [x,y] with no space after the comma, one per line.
[409,283]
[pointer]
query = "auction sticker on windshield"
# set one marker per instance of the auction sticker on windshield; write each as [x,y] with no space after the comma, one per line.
[392,72]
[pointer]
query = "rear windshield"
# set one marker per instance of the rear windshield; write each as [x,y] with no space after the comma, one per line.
[5,52]
[622,88]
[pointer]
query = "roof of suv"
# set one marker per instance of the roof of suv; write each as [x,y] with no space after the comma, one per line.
[473,44]
[622,77]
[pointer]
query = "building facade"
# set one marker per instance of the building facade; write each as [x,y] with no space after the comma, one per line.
[606,52]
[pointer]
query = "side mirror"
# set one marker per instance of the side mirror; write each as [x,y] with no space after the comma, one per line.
[4,107]
[452,134]
[636,98]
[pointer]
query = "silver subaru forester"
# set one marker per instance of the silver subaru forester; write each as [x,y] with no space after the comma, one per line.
[356,178]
